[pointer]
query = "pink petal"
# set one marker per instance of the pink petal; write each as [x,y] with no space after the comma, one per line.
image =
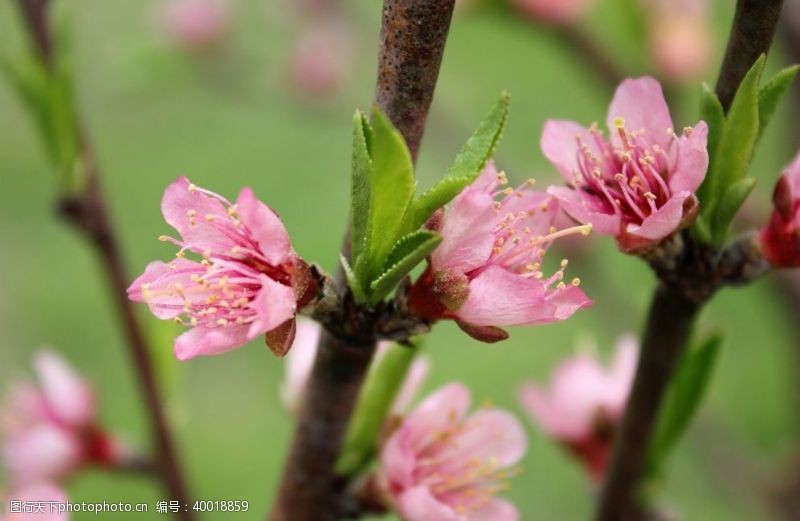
[538,404]
[69,397]
[265,227]
[560,145]
[418,504]
[179,201]
[160,279]
[41,453]
[793,174]
[436,414]
[274,305]
[663,221]
[398,460]
[467,232]
[299,362]
[501,298]
[640,103]
[587,209]
[201,341]
[621,374]
[692,162]
[415,377]
[489,435]
[495,510]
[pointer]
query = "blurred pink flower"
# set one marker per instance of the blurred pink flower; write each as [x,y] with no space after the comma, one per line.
[51,431]
[487,271]
[780,239]
[443,465]
[195,25]
[248,282]
[300,361]
[639,185]
[585,403]
[681,41]
[320,61]
[32,496]
[556,12]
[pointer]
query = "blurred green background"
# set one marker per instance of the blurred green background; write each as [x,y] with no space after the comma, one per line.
[232,119]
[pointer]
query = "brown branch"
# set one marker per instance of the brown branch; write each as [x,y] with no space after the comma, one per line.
[87,212]
[413,36]
[753,29]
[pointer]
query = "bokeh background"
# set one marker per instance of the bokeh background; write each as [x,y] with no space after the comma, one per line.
[233,116]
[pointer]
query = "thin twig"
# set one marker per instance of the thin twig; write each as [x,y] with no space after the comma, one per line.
[690,276]
[88,213]
[595,57]
[413,36]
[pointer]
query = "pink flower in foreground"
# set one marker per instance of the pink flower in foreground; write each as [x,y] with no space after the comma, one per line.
[639,185]
[52,431]
[585,403]
[248,282]
[443,465]
[556,12]
[300,361]
[487,272]
[780,239]
[195,25]
[39,493]
[681,40]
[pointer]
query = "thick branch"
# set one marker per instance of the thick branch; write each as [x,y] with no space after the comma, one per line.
[413,36]
[88,213]
[753,28]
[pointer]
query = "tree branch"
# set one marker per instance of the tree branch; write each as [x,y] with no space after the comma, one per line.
[413,36]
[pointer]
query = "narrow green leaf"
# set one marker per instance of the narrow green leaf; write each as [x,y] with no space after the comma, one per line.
[392,187]
[729,205]
[683,399]
[359,187]
[374,402]
[406,254]
[712,113]
[771,93]
[468,164]
[352,281]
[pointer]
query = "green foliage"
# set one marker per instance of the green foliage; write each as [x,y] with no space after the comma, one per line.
[729,204]
[712,113]
[771,93]
[683,399]
[374,402]
[386,240]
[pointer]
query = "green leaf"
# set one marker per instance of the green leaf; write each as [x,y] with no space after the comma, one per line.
[712,113]
[468,164]
[359,189]
[771,93]
[374,402]
[406,254]
[683,399]
[729,205]
[392,184]
[352,281]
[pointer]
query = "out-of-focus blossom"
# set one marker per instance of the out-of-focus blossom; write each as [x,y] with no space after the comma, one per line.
[584,404]
[321,59]
[487,272]
[780,238]
[681,40]
[31,497]
[556,12]
[247,283]
[300,361]
[195,25]
[51,431]
[445,465]
[639,185]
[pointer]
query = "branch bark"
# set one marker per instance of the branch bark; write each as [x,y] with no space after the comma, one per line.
[412,40]
[88,213]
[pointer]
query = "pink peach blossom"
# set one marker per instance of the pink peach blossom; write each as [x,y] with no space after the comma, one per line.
[35,503]
[556,12]
[247,283]
[320,60]
[681,40]
[487,271]
[51,431]
[585,403]
[442,464]
[639,185]
[195,25]
[300,361]
[780,238]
